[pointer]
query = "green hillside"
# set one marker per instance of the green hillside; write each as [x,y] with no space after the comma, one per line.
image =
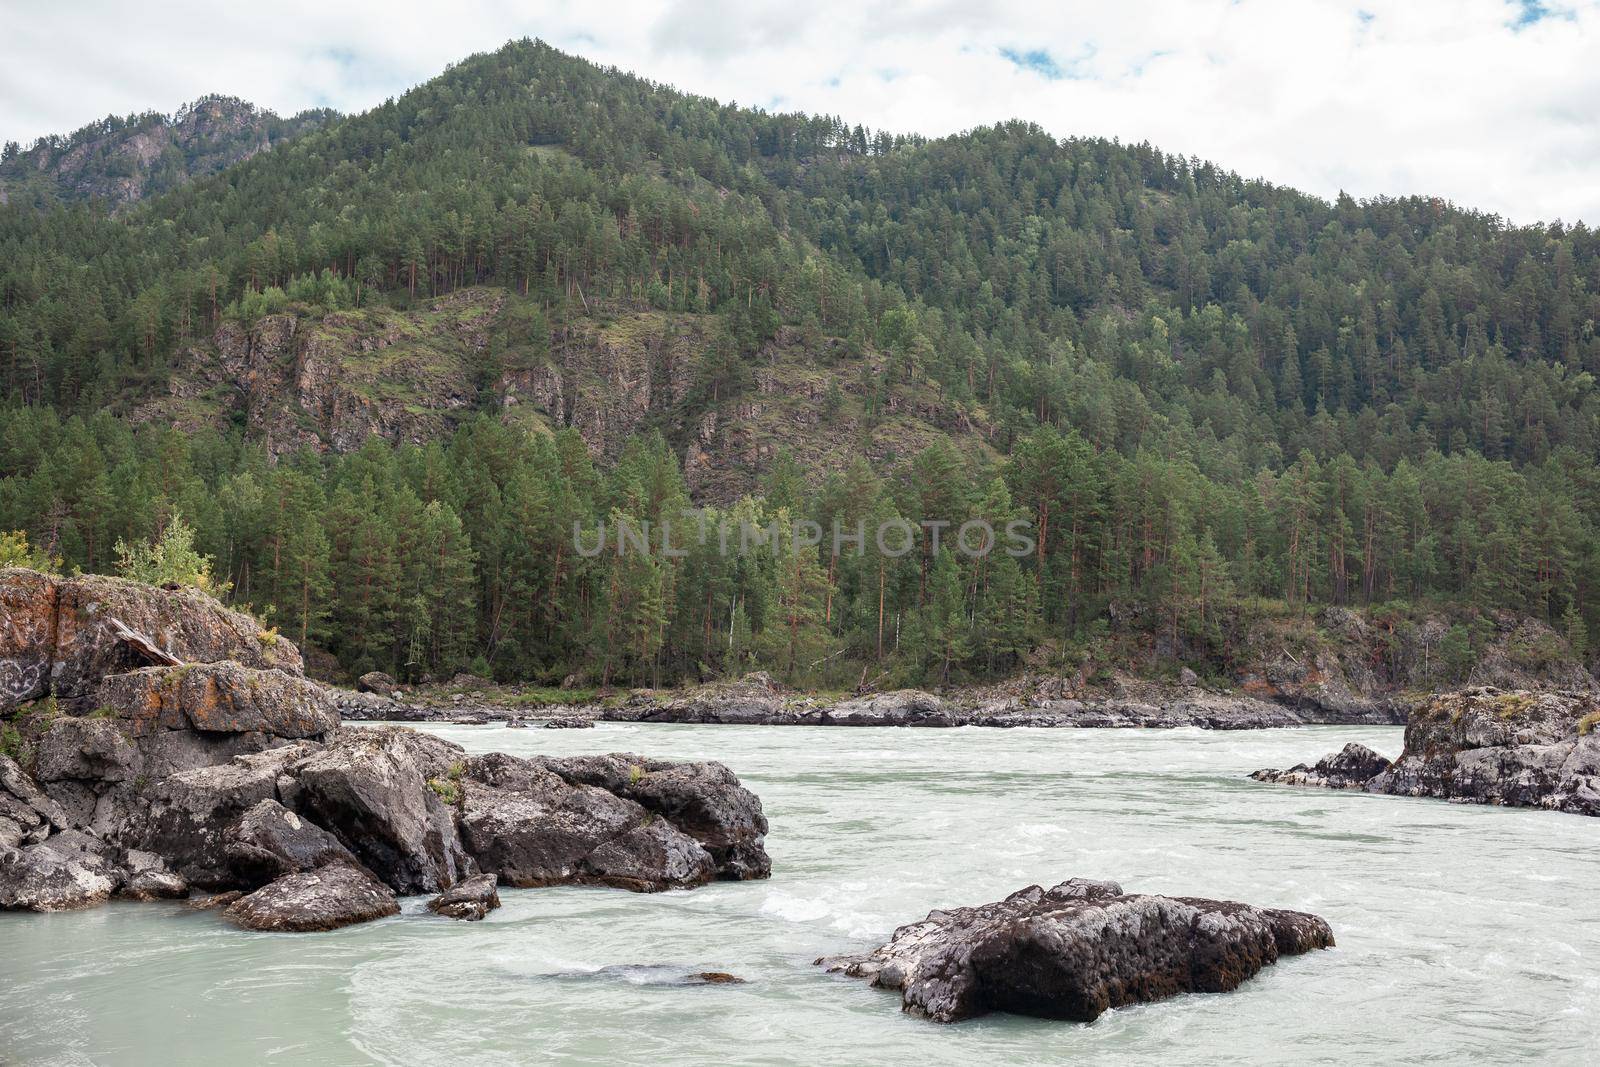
[383,367]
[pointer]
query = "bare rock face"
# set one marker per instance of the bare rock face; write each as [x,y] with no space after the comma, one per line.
[62,636]
[1077,949]
[324,899]
[222,698]
[374,788]
[1481,745]
[469,900]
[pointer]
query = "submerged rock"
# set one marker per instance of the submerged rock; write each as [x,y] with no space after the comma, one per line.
[1078,949]
[1480,745]
[470,900]
[324,899]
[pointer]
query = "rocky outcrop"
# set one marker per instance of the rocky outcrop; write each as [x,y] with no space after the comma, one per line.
[327,898]
[469,900]
[238,779]
[1480,745]
[61,873]
[219,698]
[1078,949]
[61,636]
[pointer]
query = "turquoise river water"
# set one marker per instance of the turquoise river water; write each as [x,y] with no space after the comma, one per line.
[1466,934]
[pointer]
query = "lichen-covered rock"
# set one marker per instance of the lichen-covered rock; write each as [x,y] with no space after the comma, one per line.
[323,899]
[1078,949]
[470,899]
[270,841]
[64,872]
[63,635]
[221,697]
[1482,745]
[378,790]
[903,707]
[147,878]
[91,749]
[703,799]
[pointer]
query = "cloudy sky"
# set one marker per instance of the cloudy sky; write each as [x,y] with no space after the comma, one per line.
[1494,104]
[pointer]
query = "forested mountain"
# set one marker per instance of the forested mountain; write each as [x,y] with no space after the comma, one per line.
[121,159]
[383,367]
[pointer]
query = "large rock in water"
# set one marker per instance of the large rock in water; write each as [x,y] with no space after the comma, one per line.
[704,800]
[61,636]
[531,827]
[324,899]
[1480,745]
[1073,951]
[470,900]
[379,790]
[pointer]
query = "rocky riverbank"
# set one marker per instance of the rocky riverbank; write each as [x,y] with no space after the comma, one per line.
[1076,950]
[161,744]
[1480,745]
[756,700]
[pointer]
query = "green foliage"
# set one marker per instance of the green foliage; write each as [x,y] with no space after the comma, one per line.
[15,552]
[171,559]
[448,789]
[1209,396]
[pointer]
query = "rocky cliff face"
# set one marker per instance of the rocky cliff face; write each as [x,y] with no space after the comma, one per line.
[120,162]
[61,636]
[328,382]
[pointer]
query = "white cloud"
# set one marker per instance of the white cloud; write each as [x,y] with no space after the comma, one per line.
[1453,99]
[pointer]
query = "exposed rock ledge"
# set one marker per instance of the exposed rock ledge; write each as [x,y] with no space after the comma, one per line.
[239,780]
[1480,745]
[1073,951]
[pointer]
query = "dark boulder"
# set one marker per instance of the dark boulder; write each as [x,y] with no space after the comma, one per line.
[705,800]
[562,722]
[270,841]
[1349,768]
[1078,949]
[324,899]
[381,791]
[533,828]
[470,899]
[375,682]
